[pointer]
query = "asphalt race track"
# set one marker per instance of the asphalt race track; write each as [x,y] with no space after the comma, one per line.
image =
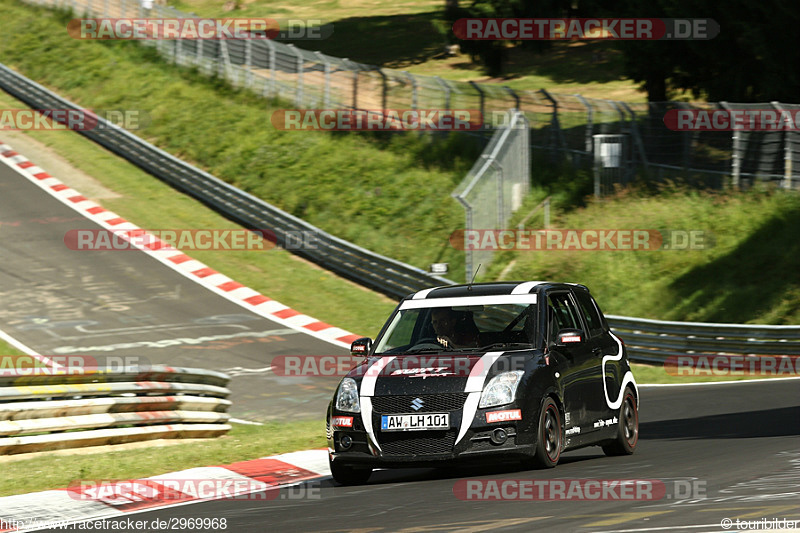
[721,451]
[63,302]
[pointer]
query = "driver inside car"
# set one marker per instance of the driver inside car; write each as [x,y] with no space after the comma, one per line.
[454,329]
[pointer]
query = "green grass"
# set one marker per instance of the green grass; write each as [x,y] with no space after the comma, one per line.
[656,374]
[6,349]
[750,273]
[244,442]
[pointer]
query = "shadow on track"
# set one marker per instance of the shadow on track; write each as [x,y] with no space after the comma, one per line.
[781,422]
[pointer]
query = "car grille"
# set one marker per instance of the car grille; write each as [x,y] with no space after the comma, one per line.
[409,443]
[432,403]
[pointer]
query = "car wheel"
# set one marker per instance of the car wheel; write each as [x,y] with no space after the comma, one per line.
[548,439]
[627,428]
[349,475]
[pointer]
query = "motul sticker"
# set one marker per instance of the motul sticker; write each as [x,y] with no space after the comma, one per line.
[503,416]
[342,421]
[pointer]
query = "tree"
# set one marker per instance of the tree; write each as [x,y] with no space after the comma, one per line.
[754,57]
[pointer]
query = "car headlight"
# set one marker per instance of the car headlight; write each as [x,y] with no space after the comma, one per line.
[347,396]
[501,389]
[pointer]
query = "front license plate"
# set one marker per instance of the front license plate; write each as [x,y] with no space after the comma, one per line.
[415,422]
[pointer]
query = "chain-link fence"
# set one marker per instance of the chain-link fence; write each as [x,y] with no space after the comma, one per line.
[495,185]
[653,151]
[562,126]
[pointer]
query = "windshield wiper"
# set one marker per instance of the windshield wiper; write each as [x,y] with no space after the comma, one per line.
[506,345]
[427,350]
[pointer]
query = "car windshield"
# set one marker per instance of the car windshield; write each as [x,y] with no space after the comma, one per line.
[467,328]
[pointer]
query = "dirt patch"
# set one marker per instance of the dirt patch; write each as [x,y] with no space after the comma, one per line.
[48,159]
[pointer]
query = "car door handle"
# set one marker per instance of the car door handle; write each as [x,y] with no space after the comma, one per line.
[597,351]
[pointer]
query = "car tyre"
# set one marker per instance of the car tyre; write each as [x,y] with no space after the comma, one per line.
[549,437]
[349,475]
[627,427]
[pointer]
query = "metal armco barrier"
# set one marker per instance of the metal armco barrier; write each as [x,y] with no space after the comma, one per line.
[41,409]
[390,277]
[653,341]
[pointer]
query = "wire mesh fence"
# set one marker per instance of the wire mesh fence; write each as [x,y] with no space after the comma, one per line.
[495,186]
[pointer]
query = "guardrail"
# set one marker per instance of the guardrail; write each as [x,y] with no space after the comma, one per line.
[41,408]
[385,275]
[653,341]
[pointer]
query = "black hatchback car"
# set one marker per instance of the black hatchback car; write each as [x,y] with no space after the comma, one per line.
[521,371]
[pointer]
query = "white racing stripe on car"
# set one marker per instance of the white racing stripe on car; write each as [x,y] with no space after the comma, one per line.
[474,386]
[371,375]
[366,418]
[421,295]
[366,393]
[460,301]
[470,408]
[627,378]
[525,287]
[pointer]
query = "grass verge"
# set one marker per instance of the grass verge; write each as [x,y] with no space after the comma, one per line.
[745,270]
[656,374]
[6,349]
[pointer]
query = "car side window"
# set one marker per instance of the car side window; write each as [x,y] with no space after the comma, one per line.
[563,314]
[590,312]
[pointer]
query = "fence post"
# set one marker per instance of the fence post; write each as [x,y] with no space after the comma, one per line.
[625,157]
[384,88]
[557,135]
[446,89]
[516,109]
[735,155]
[248,62]
[355,69]
[589,123]
[501,219]
[414,95]
[637,138]
[272,86]
[326,91]
[687,144]
[298,95]
[224,59]
[467,251]
[482,99]
[787,151]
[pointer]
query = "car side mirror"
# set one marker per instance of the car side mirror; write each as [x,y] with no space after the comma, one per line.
[570,337]
[361,347]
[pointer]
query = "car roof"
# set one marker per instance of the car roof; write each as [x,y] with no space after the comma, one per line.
[492,289]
